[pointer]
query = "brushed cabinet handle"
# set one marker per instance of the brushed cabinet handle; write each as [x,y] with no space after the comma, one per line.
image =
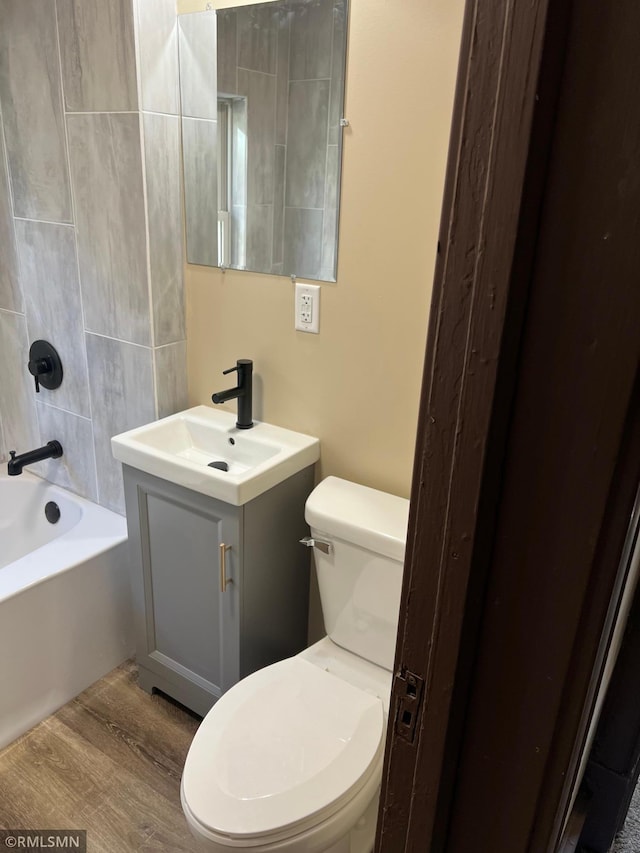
[224,580]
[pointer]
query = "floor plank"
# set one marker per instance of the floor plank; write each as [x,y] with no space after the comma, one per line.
[110,762]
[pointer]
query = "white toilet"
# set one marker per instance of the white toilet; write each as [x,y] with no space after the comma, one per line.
[290,759]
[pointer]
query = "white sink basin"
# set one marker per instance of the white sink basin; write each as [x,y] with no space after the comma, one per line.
[181,447]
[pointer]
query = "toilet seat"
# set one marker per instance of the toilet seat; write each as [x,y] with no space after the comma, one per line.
[281,752]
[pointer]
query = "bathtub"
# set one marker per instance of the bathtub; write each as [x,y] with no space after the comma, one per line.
[65,610]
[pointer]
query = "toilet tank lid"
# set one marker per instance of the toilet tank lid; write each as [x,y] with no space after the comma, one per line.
[358,514]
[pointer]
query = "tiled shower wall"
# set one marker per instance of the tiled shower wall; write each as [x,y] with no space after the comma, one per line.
[90,228]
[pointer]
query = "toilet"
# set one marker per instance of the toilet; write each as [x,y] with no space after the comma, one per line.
[290,758]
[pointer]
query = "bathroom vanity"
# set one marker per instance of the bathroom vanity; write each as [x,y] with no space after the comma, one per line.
[219,591]
[220,584]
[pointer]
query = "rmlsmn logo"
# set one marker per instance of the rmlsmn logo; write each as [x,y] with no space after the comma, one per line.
[44,839]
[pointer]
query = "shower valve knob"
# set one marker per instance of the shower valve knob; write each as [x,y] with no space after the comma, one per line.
[45,365]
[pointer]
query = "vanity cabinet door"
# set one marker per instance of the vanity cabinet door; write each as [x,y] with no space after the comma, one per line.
[186,614]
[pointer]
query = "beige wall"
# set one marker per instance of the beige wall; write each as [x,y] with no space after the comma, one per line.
[356,384]
[185,6]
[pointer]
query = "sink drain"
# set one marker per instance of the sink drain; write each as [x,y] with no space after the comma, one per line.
[52,512]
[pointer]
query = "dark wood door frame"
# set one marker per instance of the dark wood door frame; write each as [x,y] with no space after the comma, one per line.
[526,456]
[613,767]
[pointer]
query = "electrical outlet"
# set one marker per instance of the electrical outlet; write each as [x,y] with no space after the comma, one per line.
[308,308]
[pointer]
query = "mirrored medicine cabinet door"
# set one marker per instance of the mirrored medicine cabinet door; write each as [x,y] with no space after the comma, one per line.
[262,90]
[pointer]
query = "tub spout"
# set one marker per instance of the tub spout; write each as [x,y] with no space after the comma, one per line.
[51,450]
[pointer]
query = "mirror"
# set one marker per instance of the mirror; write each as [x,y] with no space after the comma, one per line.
[262,91]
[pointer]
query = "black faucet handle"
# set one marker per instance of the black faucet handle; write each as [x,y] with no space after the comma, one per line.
[12,454]
[242,365]
[40,367]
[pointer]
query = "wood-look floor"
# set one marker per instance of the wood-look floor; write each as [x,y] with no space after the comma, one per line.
[109,762]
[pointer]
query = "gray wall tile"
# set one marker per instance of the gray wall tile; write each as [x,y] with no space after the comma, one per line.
[198,86]
[122,398]
[199,143]
[53,306]
[164,202]
[259,236]
[32,110]
[307,143]
[329,244]
[107,183]
[332,176]
[258,37]
[330,221]
[260,91]
[239,152]
[17,393]
[76,468]
[10,293]
[278,207]
[302,242]
[171,378]
[282,79]
[239,236]
[227,45]
[98,54]
[158,52]
[311,33]
[120,391]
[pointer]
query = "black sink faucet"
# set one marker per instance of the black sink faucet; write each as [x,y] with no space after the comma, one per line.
[242,392]
[51,450]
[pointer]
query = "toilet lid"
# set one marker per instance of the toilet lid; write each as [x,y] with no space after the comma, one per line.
[282,749]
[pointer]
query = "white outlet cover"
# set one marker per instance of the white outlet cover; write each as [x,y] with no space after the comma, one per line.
[307,307]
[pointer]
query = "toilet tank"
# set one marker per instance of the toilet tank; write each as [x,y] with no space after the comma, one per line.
[360,579]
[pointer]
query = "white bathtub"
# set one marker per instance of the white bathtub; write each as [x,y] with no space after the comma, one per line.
[65,611]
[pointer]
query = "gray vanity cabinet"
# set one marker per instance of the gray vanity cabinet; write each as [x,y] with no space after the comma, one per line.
[199,631]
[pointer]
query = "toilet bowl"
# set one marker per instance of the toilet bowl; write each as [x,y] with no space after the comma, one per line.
[290,758]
